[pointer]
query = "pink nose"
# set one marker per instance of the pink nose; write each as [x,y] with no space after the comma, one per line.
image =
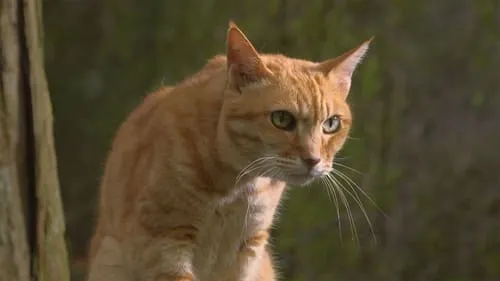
[310,162]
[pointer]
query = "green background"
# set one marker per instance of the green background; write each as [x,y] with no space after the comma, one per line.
[426,130]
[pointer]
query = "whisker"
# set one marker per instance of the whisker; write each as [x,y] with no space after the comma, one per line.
[349,182]
[268,173]
[357,199]
[333,196]
[285,160]
[346,205]
[352,224]
[338,158]
[256,167]
[354,184]
[347,167]
[245,169]
[286,163]
[252,166]
[353,221]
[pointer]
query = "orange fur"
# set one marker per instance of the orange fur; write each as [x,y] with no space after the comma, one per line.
[186,193]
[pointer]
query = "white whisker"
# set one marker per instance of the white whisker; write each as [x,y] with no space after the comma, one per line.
[357,199]
[347,167]
[252,166]
[349,180]
[350,217]
[333,196]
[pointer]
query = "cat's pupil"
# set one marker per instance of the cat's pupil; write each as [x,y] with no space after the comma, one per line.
[282,117]
[283,120]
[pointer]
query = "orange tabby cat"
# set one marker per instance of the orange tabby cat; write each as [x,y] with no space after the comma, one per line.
[196,172]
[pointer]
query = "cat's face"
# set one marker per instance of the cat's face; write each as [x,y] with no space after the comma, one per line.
[288,117]
[299,121]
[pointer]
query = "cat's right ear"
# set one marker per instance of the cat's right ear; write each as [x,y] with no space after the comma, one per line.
[245,67]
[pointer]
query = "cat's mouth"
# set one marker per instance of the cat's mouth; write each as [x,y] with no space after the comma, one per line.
[295,175]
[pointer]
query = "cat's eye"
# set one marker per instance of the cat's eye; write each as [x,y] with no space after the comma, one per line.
[283,120]
[331,125]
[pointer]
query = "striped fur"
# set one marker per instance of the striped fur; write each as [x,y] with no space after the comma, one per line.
[170,207]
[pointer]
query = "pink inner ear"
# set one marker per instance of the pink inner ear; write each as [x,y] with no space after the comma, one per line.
[343,84]
[239,49]
[341,68]
[235,54]
[242,59]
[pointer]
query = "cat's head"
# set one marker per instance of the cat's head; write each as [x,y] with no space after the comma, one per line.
[287,118]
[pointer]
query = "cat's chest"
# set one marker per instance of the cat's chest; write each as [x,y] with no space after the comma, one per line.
[229,225]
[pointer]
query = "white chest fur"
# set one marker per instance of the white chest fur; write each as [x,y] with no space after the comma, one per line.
[229,225]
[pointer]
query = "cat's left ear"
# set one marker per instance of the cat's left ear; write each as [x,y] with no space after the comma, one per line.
[340,69]
[245,67]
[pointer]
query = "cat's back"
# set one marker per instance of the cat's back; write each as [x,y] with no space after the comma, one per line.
[162,130]
[199,95]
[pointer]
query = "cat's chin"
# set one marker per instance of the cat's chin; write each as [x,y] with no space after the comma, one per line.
[295,180]
[300,181]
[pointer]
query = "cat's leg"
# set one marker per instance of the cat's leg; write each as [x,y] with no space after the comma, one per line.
[266,271]
[254,263]
[163,259]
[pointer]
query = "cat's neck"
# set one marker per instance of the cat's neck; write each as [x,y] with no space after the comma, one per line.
[222,159]
[249,188]
[235,181]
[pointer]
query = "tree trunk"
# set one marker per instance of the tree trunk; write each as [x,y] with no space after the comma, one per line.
[32,245]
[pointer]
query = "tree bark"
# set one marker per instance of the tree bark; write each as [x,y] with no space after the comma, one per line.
[32,244]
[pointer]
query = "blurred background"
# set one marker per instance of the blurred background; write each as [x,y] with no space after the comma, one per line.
[426,132]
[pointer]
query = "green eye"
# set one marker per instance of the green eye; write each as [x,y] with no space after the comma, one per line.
[331,125]
[283,120]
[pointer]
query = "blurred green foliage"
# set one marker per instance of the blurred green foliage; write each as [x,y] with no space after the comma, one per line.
[426,131]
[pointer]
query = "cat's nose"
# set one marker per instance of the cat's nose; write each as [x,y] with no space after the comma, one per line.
[310,162]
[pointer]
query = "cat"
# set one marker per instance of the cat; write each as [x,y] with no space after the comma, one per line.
[196,172]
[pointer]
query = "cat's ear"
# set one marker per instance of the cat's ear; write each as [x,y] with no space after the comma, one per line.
[341,68]
[244,64]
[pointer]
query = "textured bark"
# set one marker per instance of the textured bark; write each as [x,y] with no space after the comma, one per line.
[14,254]
[52,257]
[32,244]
